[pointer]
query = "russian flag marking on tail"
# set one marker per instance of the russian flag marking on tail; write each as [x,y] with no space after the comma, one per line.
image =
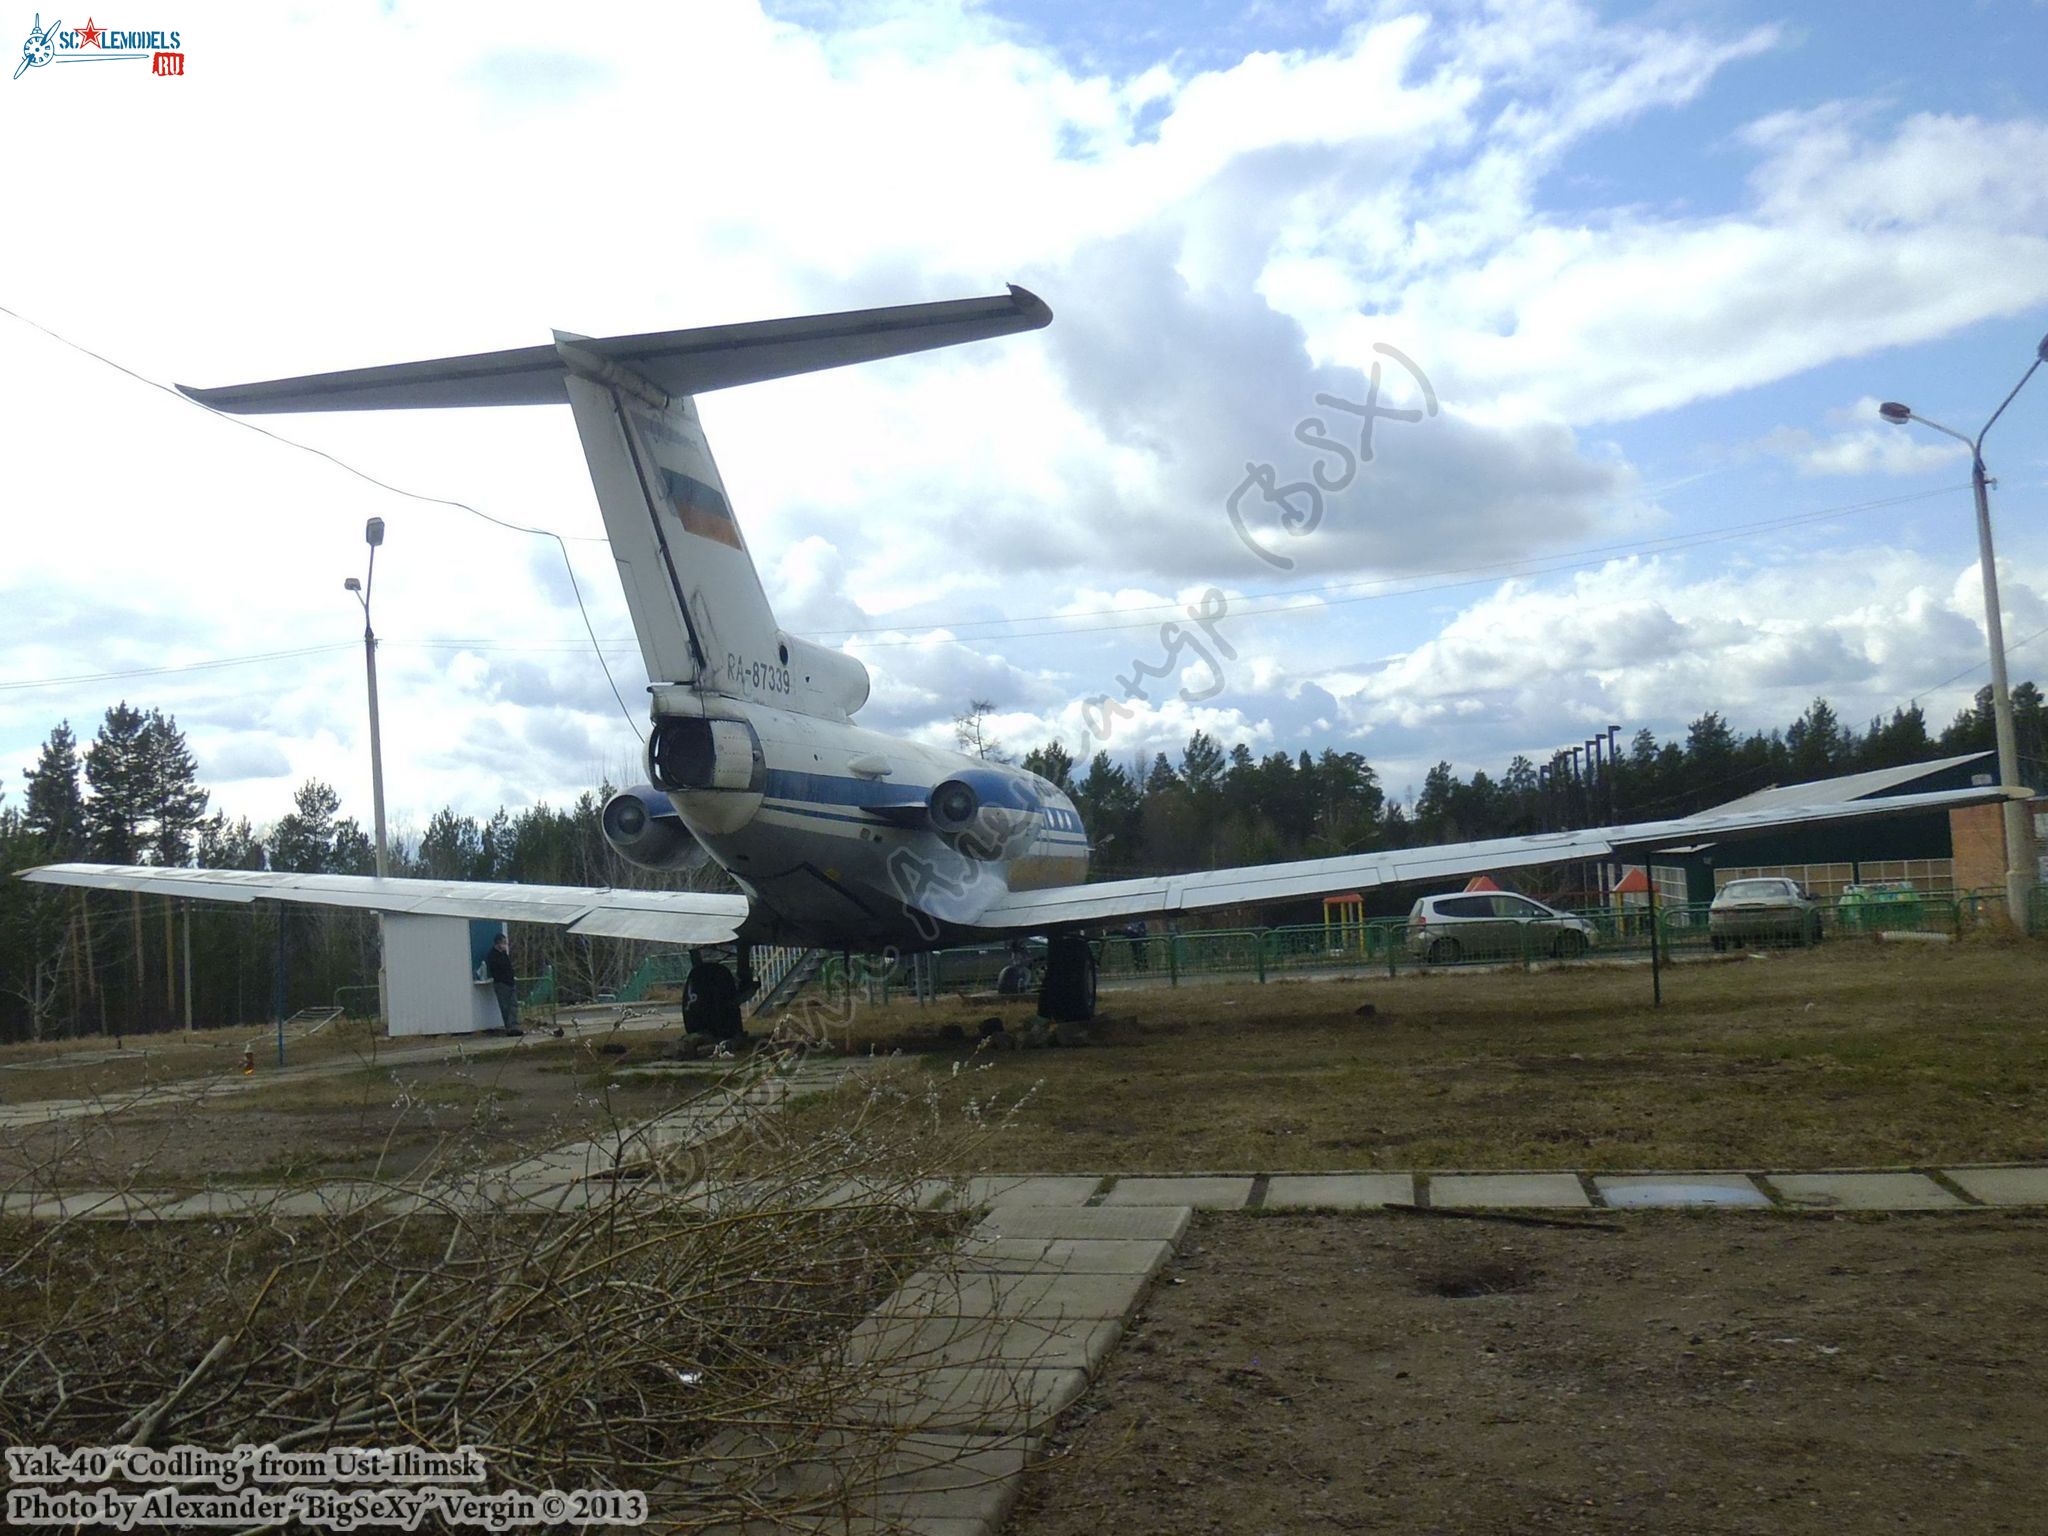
[702,508]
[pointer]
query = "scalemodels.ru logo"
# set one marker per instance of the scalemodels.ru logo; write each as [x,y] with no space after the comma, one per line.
[93,43]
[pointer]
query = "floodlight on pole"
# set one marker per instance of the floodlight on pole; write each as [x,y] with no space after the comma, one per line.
[373,535]
[2018,876]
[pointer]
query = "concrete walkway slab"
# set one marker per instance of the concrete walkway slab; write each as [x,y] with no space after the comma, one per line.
[1064,1255]
[974,1398]
[1507,1190]
[894,1479]
[1203,1193]
[1036,1295]
[1338,1191]
[2002,1186]
[1163,1223]
[1863,1192]
[1680,1189]
[1031,1189]
[1046,1343]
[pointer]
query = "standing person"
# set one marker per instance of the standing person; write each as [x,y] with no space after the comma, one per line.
[1139,934]
[498,963]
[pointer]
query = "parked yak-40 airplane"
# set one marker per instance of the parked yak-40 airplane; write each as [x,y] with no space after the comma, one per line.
[839,837]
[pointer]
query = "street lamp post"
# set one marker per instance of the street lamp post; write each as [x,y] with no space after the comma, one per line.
[2018,877]
[373,535]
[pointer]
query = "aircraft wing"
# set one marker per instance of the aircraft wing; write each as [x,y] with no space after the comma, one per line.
[666,917]
[1058,906]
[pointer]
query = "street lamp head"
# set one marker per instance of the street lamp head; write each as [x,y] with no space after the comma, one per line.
[351,585]
[373,532]
[1898,415]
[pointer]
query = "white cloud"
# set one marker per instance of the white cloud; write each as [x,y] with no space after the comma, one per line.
[1221,243]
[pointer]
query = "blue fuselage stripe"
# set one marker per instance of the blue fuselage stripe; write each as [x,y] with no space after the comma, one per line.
[805,793]
[830,789]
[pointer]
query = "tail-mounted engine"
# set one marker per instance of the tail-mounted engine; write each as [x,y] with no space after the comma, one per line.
[985,813]
[643,828]
[687,754]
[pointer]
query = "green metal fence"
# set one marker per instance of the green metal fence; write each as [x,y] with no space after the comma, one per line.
[663,968]
[1391,945]
[1387,945]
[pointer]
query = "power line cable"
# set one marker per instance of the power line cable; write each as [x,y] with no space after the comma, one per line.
[1474,574]
[561,543]
[2020,644]
[15,685]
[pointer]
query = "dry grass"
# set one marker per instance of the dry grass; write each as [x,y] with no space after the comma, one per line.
[1858,1055]
[100,1065]
[348,1119]
[603,1346]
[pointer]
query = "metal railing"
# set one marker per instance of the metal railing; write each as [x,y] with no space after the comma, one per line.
[1386,944]
[1391,945]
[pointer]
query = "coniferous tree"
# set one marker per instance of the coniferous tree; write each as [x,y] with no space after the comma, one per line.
[1053,763]
[170,793]
[117,770]
[53,805]
[303,841]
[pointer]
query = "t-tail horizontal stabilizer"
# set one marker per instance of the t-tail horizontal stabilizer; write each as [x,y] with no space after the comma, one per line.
[698,607]
[676,362]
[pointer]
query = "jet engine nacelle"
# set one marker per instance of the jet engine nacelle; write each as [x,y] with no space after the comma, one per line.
[828,677]
[643,828]
[986,813]
[691,753]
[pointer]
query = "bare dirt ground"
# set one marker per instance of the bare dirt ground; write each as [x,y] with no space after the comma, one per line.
[1705,1373]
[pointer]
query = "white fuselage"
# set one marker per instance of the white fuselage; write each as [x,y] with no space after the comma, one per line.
[836,852]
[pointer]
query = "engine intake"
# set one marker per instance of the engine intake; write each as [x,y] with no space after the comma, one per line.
[687,753]
[985,814]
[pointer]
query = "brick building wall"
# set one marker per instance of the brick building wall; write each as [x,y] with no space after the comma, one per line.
[1977,836]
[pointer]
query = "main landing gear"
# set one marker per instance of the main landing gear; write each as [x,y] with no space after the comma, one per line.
[1067,995]
[712,997]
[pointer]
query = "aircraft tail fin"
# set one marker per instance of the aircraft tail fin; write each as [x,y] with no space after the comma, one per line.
[698,607]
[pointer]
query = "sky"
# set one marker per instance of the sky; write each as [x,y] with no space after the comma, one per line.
[1634,279]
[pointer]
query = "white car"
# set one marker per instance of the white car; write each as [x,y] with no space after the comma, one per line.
[1763,909]
[1485,925]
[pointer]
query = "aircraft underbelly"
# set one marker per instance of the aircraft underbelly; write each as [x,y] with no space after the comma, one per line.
[833,876]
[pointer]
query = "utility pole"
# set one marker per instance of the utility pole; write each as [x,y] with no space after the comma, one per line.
[373,535]
[2018,873]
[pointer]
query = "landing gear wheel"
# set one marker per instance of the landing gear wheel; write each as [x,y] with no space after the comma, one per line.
[1443,952]
[711,1002]
[1067,995]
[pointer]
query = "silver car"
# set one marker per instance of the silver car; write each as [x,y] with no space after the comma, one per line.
[1766,909]
[1492,925]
